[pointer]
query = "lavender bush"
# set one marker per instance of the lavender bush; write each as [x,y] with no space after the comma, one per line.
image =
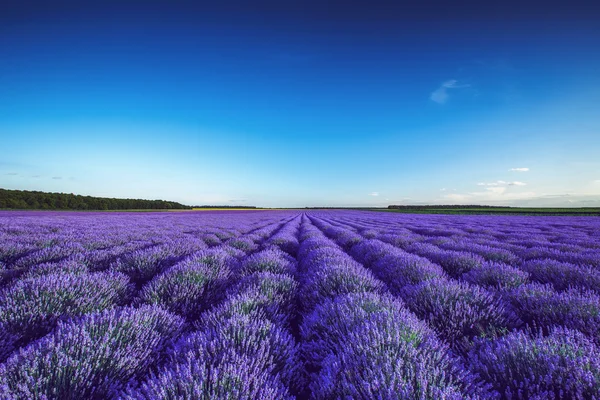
[563,365]
[459,311]
[320,304]
[236,379]
[89,358]
[32,306]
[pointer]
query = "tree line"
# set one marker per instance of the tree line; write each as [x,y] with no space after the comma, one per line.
[34,200]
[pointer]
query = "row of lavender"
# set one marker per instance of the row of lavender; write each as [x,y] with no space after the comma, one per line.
[278,305]
[524,317]
[92,304]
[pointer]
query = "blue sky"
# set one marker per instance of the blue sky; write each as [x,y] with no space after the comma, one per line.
[301,104]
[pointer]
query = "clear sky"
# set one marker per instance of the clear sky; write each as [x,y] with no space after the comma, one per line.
[302,103]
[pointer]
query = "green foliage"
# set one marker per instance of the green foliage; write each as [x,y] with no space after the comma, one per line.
[28,200]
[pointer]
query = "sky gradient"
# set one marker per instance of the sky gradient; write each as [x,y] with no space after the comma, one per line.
[301,104]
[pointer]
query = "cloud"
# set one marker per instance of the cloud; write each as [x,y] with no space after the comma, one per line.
[375,194]
[443,189]
[519,169]
[502,183]
[57,177]
[237,200]
[497,183]
[440,95]
[496,189]
[12,173]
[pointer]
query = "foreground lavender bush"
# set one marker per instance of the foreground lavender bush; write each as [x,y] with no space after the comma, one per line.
[564,365]
[369,251]
[495,275]
[72,266]
[314,242]
[11,250]
[249,302]
[333,279]
[458,311]
[286,239]
[278,289]
[48,254]
[189,287]
[142,265]
[244,244]
[454,263]
[271,347]
[235,379]
[330,323]
[542,307]
[32,306]
[90,358]
[399,269]
[563,275]
[269,260]
[393,358]
[328,253]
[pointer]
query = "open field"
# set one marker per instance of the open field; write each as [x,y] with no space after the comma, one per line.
[298,304]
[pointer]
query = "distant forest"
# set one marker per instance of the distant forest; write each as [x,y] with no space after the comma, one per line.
[29,200]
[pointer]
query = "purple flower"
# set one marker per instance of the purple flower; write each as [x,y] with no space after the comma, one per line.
[542,307]
[459,312]
[268,260]
[191,286]
[279,289]
[237,378]
[331,321]
[563,365]
[562,275]
[393,357]
[493,275]
[32,306]
[272,348]
[89,358]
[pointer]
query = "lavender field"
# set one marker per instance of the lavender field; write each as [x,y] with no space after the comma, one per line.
[290,304]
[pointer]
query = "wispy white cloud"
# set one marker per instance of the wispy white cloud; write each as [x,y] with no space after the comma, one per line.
[502,183]
[443,189]
[497,183]
[375,194]
[519,169]
[440,95]
[496,189]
